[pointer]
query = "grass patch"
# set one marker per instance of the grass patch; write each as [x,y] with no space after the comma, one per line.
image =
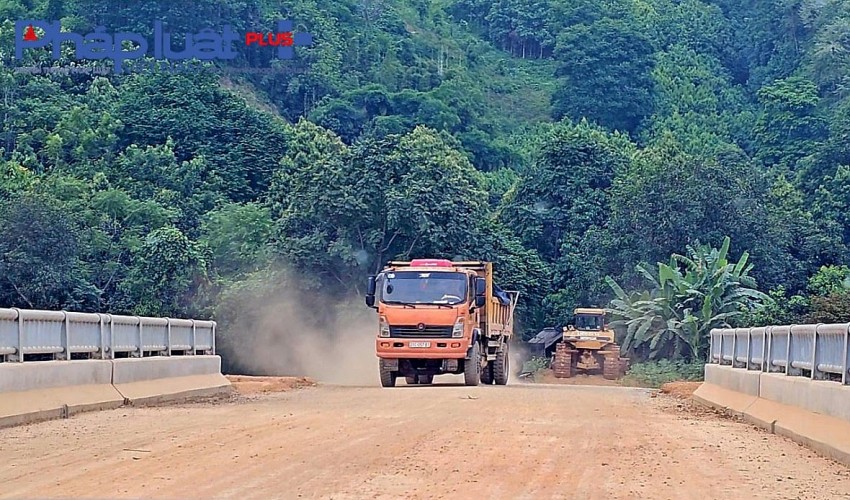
[657,373]
[537,367]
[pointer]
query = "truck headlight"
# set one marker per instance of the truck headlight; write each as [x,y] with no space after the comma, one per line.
[384,328]
[457,331]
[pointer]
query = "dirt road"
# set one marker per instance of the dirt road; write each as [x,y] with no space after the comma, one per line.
[514,442]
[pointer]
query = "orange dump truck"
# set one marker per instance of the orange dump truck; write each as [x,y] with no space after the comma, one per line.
[437,317]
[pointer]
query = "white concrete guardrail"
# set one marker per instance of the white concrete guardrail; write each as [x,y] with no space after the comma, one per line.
[819,352]
[56,363]
[791,380]
[102,336]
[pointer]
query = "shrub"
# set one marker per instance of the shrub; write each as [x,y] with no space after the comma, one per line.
[657,373]
[536,366]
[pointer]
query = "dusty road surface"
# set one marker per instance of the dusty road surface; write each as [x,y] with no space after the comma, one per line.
[515,442]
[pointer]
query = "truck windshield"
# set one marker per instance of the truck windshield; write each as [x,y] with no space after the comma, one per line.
[410,287]
[588,322]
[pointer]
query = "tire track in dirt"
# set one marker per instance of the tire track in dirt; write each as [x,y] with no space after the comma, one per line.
[514,442]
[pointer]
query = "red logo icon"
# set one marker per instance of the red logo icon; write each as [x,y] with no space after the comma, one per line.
[283,39]
[30,35]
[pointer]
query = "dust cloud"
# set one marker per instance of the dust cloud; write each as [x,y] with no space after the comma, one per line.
[517,357]
[280,327]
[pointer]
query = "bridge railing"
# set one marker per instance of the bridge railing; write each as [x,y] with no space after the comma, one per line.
[819,352]
[67,335]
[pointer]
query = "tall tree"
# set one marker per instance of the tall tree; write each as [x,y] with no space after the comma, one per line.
[40,260]
[605,74]
[789,127]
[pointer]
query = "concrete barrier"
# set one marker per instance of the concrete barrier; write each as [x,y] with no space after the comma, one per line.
[31,392]
[827,398]
[745,382]
[159,379]
[813,413]
[36,391]
[719,397]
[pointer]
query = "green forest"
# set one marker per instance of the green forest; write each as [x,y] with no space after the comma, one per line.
[575,143]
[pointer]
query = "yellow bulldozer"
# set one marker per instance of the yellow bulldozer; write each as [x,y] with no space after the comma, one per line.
[588,345]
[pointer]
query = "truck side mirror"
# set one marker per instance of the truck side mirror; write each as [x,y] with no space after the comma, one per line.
[370,292]
[480,300]
[480,287]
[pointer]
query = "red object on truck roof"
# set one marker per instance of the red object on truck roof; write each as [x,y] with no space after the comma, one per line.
[430,263]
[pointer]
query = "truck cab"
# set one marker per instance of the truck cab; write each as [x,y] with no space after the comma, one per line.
[436,317]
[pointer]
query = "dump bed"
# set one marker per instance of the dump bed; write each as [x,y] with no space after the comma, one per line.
[498,314]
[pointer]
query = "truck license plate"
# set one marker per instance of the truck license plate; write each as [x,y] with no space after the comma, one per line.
[420,344]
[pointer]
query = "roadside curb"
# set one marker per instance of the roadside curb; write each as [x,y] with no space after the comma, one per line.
[827,435]
[36,392]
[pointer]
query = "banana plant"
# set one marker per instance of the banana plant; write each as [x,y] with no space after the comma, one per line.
[687,297]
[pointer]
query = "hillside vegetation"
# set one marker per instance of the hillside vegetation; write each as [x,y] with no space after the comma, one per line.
[565,140]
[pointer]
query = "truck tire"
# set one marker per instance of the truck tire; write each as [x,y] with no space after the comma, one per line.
[388,378]
[472,366]
[419,379]
[501,367]
[487,374]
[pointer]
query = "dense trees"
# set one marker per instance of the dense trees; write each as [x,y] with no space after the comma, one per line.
[561,205]
[606,74]
[420,128]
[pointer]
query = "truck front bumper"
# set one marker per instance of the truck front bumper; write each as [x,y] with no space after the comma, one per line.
[393,348]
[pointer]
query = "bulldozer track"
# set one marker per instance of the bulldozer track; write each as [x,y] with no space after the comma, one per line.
[565,361]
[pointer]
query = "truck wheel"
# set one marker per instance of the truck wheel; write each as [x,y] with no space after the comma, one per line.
[501,368]
[472,366]
[387,378]
[487,374]
[426,379]
[411,380]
